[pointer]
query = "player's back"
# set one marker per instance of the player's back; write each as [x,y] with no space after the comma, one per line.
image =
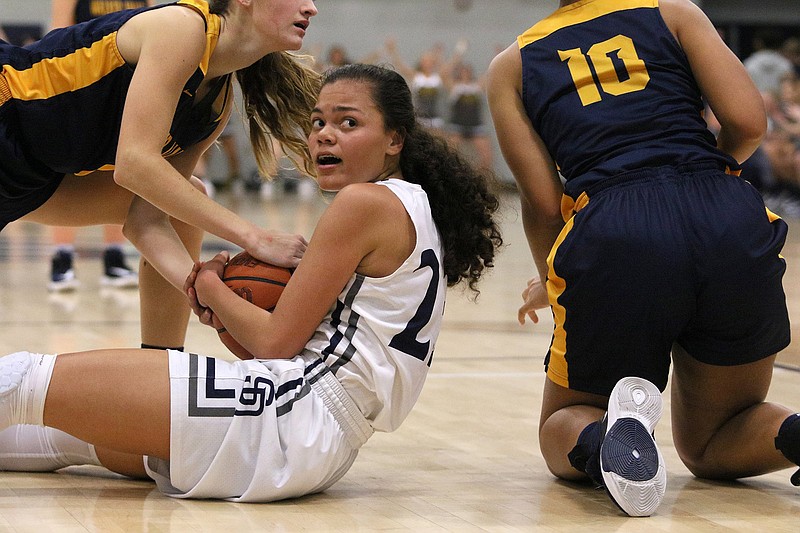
[609,89]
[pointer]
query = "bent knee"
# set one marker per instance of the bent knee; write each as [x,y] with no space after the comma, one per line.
[704,467]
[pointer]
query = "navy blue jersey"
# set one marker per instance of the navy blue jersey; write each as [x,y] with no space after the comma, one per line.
[66,95]
[89,9]
[609,89]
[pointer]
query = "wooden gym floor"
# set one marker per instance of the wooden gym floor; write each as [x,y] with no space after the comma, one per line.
[466,459]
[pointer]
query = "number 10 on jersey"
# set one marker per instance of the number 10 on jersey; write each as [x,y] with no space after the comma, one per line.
[616,65]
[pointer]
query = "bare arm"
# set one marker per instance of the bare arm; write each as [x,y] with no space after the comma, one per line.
[530,163]
[150,105]
[360,223]
[533,169]
[722,79]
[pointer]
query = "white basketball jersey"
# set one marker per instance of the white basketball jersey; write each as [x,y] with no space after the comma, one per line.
[379,337]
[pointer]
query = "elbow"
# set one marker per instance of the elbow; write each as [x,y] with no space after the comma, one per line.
[133,169]
[542,212]
[125,170]
[753,131]
[741,136]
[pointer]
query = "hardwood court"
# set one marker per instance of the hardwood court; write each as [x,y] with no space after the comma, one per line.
[466,459]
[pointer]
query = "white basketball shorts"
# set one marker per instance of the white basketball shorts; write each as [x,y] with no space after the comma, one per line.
[257,430]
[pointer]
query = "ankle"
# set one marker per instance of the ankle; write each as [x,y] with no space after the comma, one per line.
[788,439]
[585,456]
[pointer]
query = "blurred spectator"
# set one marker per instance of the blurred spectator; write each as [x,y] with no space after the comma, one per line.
[774,168]
[429,80]
[785,113]
[767,65]
[467,126]
[791,50]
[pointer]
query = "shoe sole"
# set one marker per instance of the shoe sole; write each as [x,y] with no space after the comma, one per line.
[120,283]
[630,462]
[63,286]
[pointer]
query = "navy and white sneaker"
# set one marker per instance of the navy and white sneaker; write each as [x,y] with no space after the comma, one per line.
[62,275]
[630,462]
[115,272]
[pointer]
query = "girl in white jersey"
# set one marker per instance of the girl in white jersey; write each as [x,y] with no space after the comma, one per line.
[331,365]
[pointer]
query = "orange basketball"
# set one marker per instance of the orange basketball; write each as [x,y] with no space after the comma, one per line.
[257,282]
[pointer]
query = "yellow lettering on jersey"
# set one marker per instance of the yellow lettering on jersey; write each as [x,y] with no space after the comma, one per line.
[600,57]
[581,75]
[623,48]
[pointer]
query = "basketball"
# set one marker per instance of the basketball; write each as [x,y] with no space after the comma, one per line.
[257,282]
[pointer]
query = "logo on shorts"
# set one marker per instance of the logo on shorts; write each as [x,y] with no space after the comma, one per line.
[214,400]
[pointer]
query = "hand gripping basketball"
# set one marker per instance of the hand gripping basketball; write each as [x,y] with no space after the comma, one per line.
[257,282]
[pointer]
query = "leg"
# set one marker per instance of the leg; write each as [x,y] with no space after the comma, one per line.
[84,201]
[618,452]
[127,464]
[231,149]
[112,235]
[565,414]
[28,448]
[115,399]
[64,236]
[721,425]
[101,201]
[164,309]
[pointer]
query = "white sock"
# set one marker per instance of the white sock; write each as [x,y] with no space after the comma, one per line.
[24,379]
[27,448]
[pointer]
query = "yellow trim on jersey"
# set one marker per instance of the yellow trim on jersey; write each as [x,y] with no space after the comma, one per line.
[772,217]
[557,368]
[59,75]
[104,168]
[5,90]
[213,26]
[571,15]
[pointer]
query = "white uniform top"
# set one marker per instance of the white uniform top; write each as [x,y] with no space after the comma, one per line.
[378,338]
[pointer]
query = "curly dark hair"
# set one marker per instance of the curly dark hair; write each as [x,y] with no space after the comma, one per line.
[461,201]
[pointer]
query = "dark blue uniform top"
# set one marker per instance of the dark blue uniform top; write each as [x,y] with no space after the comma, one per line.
[62,104]
[89,9]
[609,89]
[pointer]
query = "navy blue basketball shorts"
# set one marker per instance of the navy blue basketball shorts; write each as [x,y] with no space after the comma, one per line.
[25,184]
[686,255]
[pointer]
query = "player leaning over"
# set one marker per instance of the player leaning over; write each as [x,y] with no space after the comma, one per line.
[363,310]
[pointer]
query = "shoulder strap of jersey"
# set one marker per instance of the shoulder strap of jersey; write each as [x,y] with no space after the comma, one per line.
[578,13]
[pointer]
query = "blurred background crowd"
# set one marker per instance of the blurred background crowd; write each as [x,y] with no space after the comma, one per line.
[446,70]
